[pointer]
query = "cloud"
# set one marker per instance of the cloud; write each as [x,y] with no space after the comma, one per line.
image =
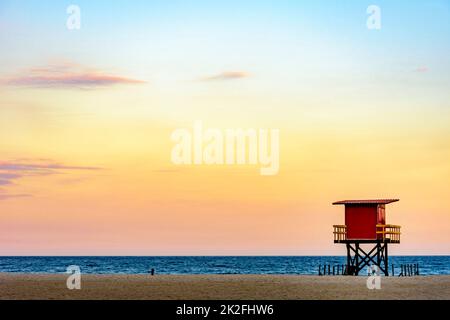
[10,196]
[422,69]
[39,167]
[6,178]
[66,75]
[167,170]
[11,171]
[227,75]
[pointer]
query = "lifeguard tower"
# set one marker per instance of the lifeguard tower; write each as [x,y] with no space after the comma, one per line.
[365,223]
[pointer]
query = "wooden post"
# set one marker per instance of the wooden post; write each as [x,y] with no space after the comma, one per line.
[386,261]
[333,269]
[347,266]
[378,254]
[355,273]
[393,269]
[329,269]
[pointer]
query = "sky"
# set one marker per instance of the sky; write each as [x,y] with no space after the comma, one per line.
[86,117]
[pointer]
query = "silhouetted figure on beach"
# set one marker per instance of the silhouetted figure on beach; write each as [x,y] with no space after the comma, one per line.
[152,271]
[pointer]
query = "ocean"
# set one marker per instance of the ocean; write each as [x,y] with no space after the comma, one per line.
[306,265]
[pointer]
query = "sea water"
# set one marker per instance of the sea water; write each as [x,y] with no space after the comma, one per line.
[307,265]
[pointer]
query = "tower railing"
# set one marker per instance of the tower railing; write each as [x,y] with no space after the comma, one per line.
[340,232]
[385,232]
[389,232]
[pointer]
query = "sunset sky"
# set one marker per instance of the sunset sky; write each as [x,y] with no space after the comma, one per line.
[86,118]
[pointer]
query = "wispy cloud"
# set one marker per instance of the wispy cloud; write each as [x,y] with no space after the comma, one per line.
[167,170]
[227,75]
[11,171]
[7,178]
[422,69]
[39,167]
[10,196]
[66,75]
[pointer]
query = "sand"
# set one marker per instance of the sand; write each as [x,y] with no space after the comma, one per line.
[28,286]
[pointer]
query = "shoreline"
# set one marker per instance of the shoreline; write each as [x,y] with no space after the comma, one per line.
[23,286]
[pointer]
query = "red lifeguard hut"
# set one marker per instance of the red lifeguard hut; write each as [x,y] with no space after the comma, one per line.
[365,223]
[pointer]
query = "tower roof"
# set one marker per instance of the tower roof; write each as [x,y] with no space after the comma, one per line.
[375,201]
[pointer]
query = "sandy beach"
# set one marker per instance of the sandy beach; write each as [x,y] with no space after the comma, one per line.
[203,287]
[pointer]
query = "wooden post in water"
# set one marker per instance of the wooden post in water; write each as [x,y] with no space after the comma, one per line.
[393,269]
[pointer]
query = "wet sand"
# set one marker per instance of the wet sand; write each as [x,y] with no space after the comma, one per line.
[203,287]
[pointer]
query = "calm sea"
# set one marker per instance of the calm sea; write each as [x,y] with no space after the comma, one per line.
[205,265]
